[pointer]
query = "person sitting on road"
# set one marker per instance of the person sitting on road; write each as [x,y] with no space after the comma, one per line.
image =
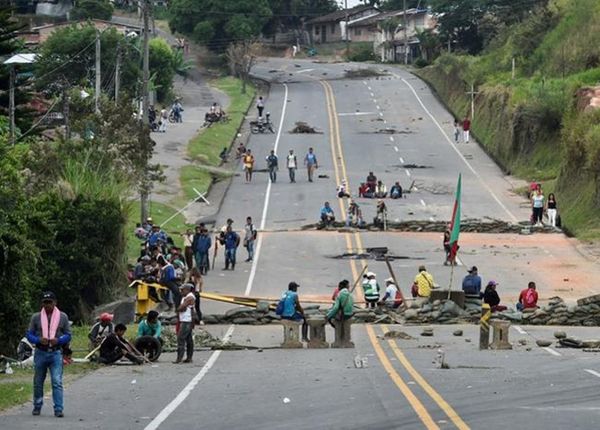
[327,215]
[342,190]
[528,298]
[396,191]
[371,181]
[354,215]
[100,330]
[471,284]
[115,347]
[491,297]
[151,326]
[240,150]
[423,283]
[392,297]
[364,191]
[292,310]
[380,190]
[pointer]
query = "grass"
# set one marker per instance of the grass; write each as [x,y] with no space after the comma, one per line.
[160,213]
[206,146]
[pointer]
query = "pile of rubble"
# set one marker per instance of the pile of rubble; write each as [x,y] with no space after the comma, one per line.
[585,313]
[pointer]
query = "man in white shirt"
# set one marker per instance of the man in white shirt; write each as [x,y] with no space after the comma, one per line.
[185,335]
[292,165]
[391,298]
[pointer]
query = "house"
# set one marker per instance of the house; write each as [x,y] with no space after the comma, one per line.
[332,27]
[364,29]
[390,40]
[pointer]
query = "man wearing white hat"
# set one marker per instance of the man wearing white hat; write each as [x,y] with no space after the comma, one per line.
[391,298]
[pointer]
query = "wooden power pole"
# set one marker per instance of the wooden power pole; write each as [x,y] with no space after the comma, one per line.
[144,193]
[118,74]
[98,74]
[11,103]
[405,35]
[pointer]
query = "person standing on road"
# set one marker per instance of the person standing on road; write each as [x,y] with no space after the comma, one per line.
[371,290]
[260,106]
[195,278]
[168,278]
[537,207]
[273,165]
[423,283]
[232,241]
[185,335]
[49,331]
[248,160]
[164,117]
[466,125]
[249,238]
[471,284]
[456,130]
[528,298]
[292,310]
[292,165]
[310,161]
[551,209]
[201,244]
[188,252]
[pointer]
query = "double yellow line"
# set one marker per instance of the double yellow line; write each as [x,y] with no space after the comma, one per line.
[339,165]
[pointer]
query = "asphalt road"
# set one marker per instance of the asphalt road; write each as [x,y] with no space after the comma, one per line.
[403,385]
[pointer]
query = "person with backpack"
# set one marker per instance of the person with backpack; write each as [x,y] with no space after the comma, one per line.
[249,238]
[528,298]
[392,297]
[423,283]
[273,165]
[371,289]
[289,308]
[292,165]
[471,284]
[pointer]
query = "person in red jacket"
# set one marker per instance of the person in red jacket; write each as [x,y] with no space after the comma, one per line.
[528,298]
[466,125]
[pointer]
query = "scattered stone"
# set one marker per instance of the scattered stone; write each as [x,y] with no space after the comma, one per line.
[560,334]
[457,332]
[593,343]
[543,343]
[522,341]
[393,334]
[427,332]
[467,340]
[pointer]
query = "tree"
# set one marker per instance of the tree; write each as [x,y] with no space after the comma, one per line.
[399,4]
[241,56]
[218,24]
[161,67]
[92,9]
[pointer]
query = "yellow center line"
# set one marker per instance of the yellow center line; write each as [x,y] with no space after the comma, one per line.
[416,404]
[448,410]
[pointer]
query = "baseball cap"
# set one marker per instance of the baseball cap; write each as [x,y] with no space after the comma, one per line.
[369,274]
[390,280]
[186,285]
[473,269]
[293,284]
[494,283]
[48,295]
[105,316]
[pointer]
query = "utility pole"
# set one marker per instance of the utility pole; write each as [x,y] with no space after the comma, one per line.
[513,69]
[98,72]
[405,35]
[118,74]
[347,30]
[144,197]
[11,103]
[472,93]
[65,97]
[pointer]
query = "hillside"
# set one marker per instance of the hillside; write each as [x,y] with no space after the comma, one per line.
[538,125]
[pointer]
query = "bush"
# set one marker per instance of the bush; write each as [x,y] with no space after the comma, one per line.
[92,9]
[363,52]
[421,62]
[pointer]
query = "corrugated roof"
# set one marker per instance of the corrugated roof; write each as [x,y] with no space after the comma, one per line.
[385,15]
[339,15]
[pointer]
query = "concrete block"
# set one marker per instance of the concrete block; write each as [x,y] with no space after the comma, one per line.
[317,337]
[291,334]
[500,335]
[343,334]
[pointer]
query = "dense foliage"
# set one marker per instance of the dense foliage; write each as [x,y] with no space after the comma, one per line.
[92,9]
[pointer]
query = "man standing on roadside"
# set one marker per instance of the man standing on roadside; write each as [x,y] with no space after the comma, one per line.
[232,241]
[201,245]
[248,160]
[310,161]
[185,335]
[260,106]
[249,238]
[466,125]
[49,331]
[273,165]
[292,165]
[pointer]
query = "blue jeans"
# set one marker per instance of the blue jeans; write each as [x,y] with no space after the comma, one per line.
[202,261]
[230,257]
[43,361]
[250,248]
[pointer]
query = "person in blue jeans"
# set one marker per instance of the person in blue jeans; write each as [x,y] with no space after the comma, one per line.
[232,241]
[292,310]
[49,331]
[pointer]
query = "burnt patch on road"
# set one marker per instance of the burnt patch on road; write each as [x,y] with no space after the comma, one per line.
[387,130]
[411,166]
[371,256]
[363,73]
[303,128]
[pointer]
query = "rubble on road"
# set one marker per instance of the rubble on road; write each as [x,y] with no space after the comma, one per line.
[303,128]
[557,312]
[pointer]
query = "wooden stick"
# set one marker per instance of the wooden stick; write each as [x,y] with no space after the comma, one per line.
[389,266]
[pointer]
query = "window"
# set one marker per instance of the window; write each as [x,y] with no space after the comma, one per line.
[333,28]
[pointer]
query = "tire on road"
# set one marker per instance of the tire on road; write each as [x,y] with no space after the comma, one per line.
[149,346]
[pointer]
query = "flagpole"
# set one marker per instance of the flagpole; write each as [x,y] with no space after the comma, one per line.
[452,264]
[455,231]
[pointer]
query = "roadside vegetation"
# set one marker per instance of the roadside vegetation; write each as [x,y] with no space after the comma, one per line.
[536,125]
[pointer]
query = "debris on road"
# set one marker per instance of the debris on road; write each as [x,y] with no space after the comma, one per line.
[395,334]
[303,128]
[457,333]
[560,334]
[543,343]
[363,73]
[427,331]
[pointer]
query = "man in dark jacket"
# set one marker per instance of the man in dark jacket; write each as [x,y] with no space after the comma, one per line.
[49,331]
[471,284]
[201,244]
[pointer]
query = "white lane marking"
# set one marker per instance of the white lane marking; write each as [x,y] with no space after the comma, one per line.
[187,390]
[423,202]
[551,351]
[377,107]
[368,87]
[365,82]
[519,329]
[392,138]
[372,95]
[431,219]
[355,113]
[380,114]
[305,70]
[592,372]
[396,149]
[177,401]
[407,173]
[402,161]
[477,175]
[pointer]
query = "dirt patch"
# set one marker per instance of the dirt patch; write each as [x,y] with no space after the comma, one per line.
[393,131]
[363,73]
[416,166]
[304,128]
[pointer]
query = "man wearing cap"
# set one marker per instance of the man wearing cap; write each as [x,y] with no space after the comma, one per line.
[391,298]
[371,290]
[100,330]
[471,284]
[185,337]
[231,241]
[292,310]
[201,245]
[49,330]
[423,282]
[140,271]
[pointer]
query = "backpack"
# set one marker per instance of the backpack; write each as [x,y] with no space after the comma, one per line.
[529,300]
[280,305]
